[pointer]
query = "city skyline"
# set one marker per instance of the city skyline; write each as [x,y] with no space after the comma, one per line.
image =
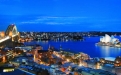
[69,37]
[55,15]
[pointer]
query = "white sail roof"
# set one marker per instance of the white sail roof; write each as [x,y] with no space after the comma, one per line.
[107,39]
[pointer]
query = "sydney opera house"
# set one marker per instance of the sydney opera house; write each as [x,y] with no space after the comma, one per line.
[109,41]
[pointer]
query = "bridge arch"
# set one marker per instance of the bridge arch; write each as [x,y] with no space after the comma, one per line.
[11,36]
[12,29]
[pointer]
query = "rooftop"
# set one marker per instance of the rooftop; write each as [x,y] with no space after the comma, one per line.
[110,58]
[98,71]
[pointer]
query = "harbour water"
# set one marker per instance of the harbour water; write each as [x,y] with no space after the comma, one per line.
[87,46]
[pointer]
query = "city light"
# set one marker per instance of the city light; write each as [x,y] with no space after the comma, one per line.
[80,64]
[29,55]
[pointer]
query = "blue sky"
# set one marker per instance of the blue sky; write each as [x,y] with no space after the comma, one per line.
[53,15]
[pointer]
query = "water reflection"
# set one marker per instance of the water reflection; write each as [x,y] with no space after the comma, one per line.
[106,51]
[87,46]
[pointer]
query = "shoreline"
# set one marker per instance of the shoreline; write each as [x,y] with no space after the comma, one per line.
[66,45]
[109,45]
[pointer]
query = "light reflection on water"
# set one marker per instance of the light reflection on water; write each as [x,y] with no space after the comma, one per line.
[88,46]
[106,51]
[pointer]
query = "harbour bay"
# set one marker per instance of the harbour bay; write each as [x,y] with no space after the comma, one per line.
[87,46]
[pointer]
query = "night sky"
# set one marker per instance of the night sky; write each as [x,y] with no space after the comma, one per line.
[61,15]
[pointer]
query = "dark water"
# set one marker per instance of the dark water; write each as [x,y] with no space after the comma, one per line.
[88,46]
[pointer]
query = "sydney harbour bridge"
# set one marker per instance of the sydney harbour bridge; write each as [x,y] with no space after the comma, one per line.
[9,37]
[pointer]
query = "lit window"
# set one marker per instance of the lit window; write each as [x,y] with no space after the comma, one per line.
[117,61]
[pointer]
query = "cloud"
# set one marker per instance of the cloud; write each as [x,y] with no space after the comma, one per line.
[53,20]
[75,22]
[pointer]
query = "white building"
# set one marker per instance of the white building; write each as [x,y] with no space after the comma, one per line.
[108,39]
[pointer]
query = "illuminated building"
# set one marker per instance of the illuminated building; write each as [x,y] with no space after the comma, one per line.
[118,61]
[4,59]
[2,56]
[107,60]
[98,65]
[5,55]
[41,55]
[2,34]
[36,56]
[109,41]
